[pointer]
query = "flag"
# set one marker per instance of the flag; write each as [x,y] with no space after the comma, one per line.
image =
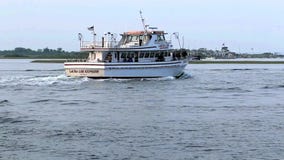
[80,36]
[92,28]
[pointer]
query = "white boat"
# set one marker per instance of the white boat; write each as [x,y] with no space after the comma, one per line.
[138,54]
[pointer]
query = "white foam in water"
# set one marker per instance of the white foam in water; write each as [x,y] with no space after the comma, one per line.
[13,80]
[49,80]
[40,81]
[134,79]
[169,78]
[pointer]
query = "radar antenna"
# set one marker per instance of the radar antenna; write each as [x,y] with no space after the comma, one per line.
[143,22]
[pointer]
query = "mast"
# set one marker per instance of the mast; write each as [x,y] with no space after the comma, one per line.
[143,22]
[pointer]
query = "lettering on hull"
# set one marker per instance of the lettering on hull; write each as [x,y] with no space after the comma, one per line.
[83,71]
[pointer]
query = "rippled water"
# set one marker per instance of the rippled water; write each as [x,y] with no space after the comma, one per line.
[218,112]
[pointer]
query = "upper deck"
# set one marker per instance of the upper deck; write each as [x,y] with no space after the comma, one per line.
[132,40]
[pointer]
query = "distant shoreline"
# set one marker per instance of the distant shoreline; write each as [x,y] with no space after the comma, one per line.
[217,61]
[237,62]
[49,61]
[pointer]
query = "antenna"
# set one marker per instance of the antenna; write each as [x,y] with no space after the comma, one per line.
[143,22]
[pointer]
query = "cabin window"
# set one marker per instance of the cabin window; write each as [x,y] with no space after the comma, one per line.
[128,39]
[152,55]
[160,57]
[123,55]
[131,54]
[147,54]
[157,55]
[129,57]
[141,37]
[146,38]
[108,57]
[131,38]
[161,38]
[135,38]
[141,54]
[122,40]
[168,54]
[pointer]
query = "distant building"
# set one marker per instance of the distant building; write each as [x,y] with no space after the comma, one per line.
[224,48]
[226,53]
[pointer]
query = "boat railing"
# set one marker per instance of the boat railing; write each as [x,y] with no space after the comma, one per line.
[76,60]
[99,44]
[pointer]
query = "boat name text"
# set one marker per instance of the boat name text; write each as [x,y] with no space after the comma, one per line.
[83,71]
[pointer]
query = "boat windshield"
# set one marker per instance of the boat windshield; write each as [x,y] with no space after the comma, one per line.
[132,38]
[135,38]
[161,38]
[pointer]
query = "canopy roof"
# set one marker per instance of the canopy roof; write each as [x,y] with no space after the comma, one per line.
[137,33]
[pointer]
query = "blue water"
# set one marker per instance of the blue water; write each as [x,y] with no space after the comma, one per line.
[222,112]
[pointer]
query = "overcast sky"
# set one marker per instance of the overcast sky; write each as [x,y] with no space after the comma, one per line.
[243,25]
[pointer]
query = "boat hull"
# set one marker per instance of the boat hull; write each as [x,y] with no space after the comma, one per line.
[124,70]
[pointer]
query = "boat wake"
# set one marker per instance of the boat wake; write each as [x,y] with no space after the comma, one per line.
[9,81]
[183,75]
[48,80]
[168,78]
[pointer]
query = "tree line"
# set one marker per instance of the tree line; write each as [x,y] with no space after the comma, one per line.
[203,53]
[58,53]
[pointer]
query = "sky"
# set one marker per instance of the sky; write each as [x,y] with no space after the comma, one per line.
[245,26]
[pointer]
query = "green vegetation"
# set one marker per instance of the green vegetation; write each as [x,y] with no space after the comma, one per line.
[49,61]
[58,55]
[203,53]
[45,53]
[236,62]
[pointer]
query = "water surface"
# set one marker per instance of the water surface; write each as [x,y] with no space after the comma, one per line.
[220,111]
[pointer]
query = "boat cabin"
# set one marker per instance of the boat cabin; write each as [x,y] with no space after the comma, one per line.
[130,56]
[134,46]
[136,56]
[133,39]
[141,38]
